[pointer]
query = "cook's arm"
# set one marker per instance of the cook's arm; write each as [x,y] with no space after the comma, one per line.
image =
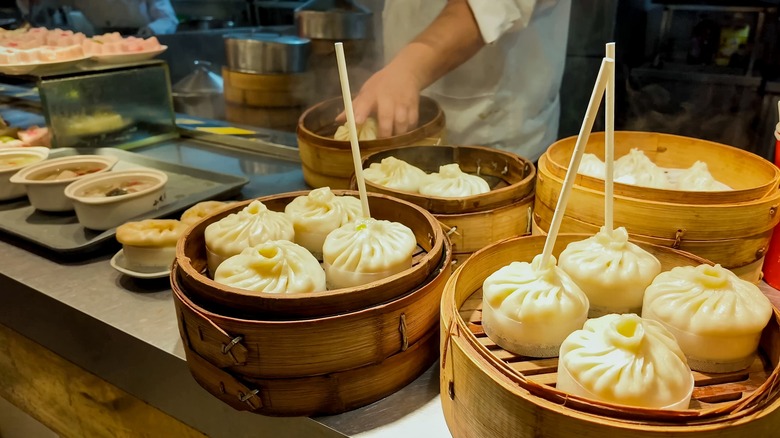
[458,33]
[163,18]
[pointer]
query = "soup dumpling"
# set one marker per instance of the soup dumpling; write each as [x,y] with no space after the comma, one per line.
[315,215]
[395,174]
[716,316]
[699,178]
[627,360]
[150,243]
[451,182]
[251,226]
[637,169]
[612,271]
[277,266]
[366,131]
[200,210]
[529,309]
[367,250]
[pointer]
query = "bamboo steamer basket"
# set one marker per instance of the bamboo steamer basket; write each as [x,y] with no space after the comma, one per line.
[266,90]
[471,222]
[192,267]
[731,228]
[487,391]
[328,162]
[317,366]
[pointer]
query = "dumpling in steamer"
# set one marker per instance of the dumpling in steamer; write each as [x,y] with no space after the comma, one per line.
[367,250]
[699,178]
[366,131]
[150,243]
[716,316]
[253,225]
[627,360]
[529,309]
[591,165]
[637,169]
[315,215]
[277,266]
[612,271]
[451,182]
[395,174]
[200,210]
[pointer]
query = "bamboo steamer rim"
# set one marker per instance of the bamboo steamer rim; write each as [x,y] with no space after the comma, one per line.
[556,162]
[584,408]
[293,304]
[770,197]
[330,108]
[515,190]
[182,297]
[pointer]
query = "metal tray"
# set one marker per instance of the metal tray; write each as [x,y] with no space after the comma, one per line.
[62,233]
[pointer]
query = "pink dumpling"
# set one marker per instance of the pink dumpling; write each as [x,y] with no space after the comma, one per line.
[9,56]
[28,56]
[11,143]
[150,44]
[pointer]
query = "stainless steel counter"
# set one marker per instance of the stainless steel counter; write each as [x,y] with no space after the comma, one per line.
[124,330]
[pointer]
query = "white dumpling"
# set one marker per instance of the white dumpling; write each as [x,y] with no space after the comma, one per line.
[315,215]
[592,165]
[716,317]
[367,250]
[251,226]
[529,309]
[366,131]
[626,360]
[277,266]
[637,169]
[612,271]
[451,182]
[395,174]
[698,178]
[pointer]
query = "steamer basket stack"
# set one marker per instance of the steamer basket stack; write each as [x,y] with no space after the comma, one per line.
[318,353]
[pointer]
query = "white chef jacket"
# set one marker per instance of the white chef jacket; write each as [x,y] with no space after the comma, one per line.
[157,15]
[505,96]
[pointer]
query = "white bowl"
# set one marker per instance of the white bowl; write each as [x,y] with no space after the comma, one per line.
[105,212]
[50,195]
[11,191]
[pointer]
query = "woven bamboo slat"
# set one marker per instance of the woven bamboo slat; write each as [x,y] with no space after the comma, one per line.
[487,391]
[192,264]
[322,155]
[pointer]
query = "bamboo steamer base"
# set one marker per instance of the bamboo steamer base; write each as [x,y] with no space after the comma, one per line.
[743,256]
[327,394]
[487,391]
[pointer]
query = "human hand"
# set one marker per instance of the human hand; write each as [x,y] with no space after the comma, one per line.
[393,93]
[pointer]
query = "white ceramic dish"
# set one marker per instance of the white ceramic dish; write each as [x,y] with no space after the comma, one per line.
[50,195]
[119,262]
[7,189]
[26,68]
[106,212]
[122,58]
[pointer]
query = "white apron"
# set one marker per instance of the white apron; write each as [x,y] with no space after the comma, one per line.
[506,96]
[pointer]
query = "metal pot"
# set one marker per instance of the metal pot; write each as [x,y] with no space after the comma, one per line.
[267,53]
[333,20]
[200,93]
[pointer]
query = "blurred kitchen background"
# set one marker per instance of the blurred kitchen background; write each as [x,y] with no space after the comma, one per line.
[706,69]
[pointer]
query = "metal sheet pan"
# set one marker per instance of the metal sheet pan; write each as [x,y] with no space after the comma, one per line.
[62,233]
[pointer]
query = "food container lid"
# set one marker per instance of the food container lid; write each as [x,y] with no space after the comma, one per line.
[200,81]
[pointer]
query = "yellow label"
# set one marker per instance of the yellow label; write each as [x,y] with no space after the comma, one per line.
[188,122]
[226,130]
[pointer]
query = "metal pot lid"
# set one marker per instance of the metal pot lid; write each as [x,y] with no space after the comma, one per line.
[200,81]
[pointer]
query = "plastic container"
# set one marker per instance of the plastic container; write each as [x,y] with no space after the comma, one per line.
[771,268]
